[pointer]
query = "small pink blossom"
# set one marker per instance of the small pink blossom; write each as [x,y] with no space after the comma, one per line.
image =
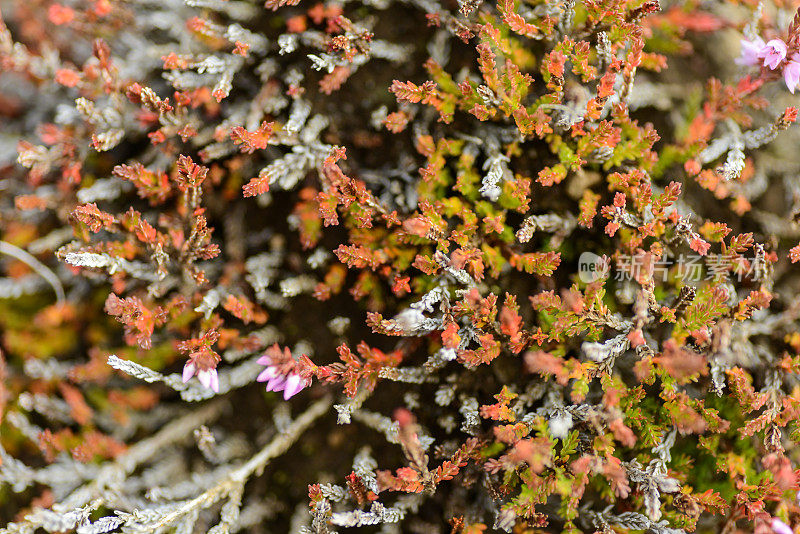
[773,53]
[779,527]
[208,377]
[279,373]
[699,245]
[750,50]
[636,338]
[791,72]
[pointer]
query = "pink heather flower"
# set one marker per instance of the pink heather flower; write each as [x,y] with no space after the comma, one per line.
[779,527]
[791,72]
[611,228]
[209,377]
[773,53]
[750,50]
[279,374]
[699,245]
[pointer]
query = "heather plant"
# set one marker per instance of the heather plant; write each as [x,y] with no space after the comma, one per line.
[399,266]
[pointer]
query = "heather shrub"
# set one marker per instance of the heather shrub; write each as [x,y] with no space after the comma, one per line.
[399,266]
